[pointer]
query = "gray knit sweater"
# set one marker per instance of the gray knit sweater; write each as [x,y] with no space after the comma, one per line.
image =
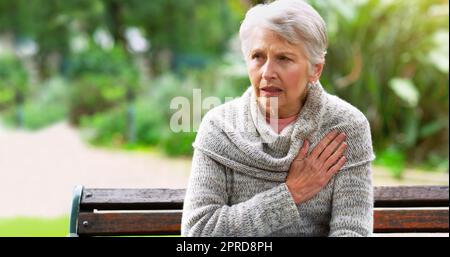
[237,182]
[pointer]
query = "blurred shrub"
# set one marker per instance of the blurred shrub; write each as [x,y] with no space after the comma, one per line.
[13,90]
[394,160]
[96,60]
[152,115]
[102,79]
[49,105]
[94,93]
[105,129]
[46,105]
[13,81]
[109,128]
[176,144]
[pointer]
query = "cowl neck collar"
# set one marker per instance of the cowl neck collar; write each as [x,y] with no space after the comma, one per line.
[306,123]
[237,135]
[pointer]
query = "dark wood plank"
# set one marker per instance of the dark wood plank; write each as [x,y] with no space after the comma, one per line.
[169,223]
[132,199]
[135,223]
[411,196]
[106,224]
[148,199]
[412,220]
[411,235]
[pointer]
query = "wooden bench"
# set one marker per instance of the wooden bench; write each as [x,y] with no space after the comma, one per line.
[421,210]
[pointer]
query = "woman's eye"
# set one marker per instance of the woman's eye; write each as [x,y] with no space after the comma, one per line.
[283,58]
[256,56]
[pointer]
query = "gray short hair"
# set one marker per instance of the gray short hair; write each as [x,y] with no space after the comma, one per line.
[294,20]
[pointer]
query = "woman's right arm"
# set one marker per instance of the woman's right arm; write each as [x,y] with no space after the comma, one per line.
[206,211]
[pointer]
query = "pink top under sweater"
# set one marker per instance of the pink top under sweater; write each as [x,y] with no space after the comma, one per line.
[282,123]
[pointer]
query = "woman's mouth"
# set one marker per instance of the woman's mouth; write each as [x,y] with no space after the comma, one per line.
[271,91]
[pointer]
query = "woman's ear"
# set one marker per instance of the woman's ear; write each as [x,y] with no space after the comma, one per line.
[316,72]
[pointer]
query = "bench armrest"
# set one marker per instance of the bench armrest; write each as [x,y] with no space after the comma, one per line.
[75,209]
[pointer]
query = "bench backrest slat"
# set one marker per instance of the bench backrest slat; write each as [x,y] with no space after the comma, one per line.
[411,196]
[410,220]
[172,199]
[132,199]
[168,223]
[107,224]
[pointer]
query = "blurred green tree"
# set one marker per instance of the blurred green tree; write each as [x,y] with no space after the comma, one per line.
[390,59]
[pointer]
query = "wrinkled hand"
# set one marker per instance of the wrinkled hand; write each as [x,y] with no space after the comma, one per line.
[308,174]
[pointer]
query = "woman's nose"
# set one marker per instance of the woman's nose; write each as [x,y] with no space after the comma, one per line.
[268,70]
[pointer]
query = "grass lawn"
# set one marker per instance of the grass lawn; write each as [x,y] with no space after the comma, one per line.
[39,227]
[34,227]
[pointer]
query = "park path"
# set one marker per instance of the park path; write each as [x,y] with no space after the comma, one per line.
[38,170]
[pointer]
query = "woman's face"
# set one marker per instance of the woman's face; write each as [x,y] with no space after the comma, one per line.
[278,69]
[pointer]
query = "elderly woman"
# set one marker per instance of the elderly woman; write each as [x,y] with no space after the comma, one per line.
[304,172]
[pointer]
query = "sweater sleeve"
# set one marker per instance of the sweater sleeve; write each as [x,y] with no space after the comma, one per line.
[352,208]
[352,205]
[206,211]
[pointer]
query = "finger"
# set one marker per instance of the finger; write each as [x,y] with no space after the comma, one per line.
[335,156]
[323,143]
[331,148]
[303,151]
[335,168]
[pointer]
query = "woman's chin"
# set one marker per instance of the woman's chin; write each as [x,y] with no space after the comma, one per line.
[269,105]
